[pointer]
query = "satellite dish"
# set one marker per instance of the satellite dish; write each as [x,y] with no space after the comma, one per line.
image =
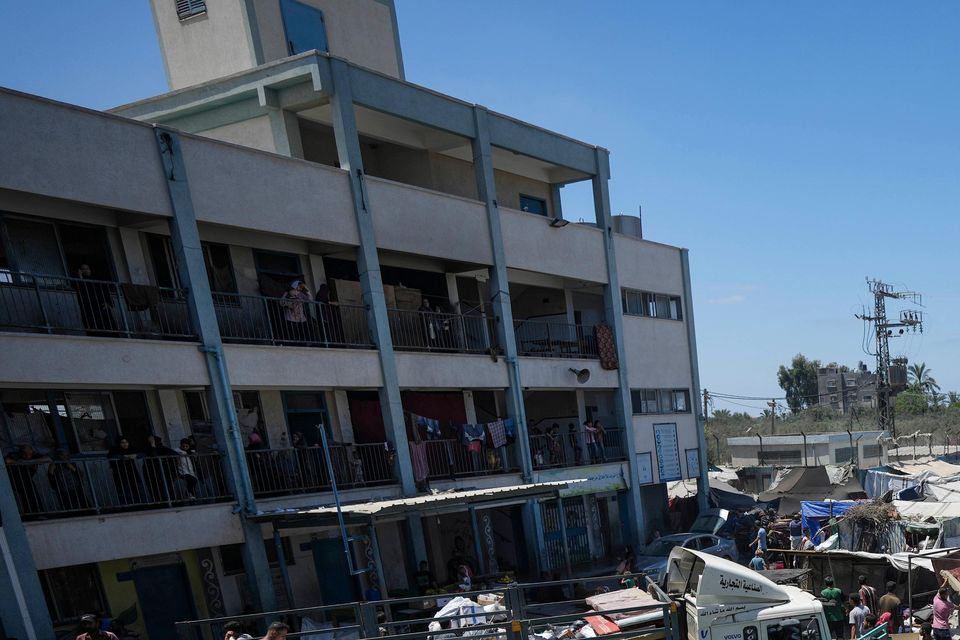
[582,374]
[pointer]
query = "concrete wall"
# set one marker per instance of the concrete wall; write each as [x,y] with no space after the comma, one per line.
[259,366]
[457,226]
[643,435]
[89,362]
[648,266]
[256,133]
[143,533]
[75,154]
[575,251]
[546,373]
[657,355]
[450,371]
[208,46]
[362,31]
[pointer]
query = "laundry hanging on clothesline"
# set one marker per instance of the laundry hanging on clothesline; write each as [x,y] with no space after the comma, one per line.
[498,434]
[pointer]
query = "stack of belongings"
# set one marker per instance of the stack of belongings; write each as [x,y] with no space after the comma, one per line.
[464,613]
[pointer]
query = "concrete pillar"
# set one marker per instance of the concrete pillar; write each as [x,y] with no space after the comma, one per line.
[318,273]
[371,284]
[453,291]
[185,240]
[703,482]
[613,310]
[469,407]
[568,302]
[283,125]
[133,255]
[556,208]
[175,420]
[23,609]
[342,408]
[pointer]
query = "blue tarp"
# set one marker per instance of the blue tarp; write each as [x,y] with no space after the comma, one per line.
[813,513]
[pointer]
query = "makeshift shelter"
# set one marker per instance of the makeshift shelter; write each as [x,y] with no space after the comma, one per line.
[815,514]
[810,484]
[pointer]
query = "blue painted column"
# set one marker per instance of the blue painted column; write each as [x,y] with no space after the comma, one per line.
[703,481]
[368,264]
[22,606]
[185,240]
[613,310]
[503,312]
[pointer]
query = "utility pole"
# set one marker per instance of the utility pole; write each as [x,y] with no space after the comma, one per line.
[773,417]
[889,379]
[706,403]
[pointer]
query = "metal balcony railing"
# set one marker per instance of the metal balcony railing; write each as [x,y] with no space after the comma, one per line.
[554,339]
[264,320]
[450,458]
[101,485]
[566,450]
[57,304]
[441,332]
[276,472]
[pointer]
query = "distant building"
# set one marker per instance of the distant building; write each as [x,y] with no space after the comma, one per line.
[845,390]
[814,449]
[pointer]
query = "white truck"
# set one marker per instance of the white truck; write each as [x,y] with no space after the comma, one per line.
[726,601]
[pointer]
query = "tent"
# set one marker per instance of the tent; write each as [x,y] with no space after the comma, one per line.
[814,513]
[810,484]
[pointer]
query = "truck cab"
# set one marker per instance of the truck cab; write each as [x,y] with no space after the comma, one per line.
[726,601]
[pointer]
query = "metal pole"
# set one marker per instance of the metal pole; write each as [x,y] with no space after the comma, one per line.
[477,548]
[381,581]
[336,499]
[282,559]
[910,588]
[804,449]
[563,535]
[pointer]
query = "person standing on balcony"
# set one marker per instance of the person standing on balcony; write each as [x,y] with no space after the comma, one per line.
[186,468]
[295,314]
[590,437]
[67,483]
[22,467]
[598,435]
[575,444]
[555,444]
[126,474]
[96,303]
[159,468]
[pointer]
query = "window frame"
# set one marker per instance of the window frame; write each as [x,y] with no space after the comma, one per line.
[57,615]
[650,304]
[540,201]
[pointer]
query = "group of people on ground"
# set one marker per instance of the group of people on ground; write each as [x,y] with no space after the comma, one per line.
[800,540]
[866,611]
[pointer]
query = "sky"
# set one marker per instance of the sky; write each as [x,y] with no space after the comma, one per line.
[794,148]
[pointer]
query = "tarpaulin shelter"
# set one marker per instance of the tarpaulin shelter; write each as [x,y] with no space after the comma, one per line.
[811,484]
[816,513]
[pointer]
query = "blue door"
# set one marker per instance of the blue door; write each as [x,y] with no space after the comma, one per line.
[165,598]
[304,27]
[330,560]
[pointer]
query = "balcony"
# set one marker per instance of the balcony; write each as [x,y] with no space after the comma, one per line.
[558,450]
[449,459]
[77,487]
[438,332]
[554,339]
[78,306]
[276,472]
[282,321]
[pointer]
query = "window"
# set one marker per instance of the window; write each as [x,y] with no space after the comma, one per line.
[216,260]
[231,556]
[660,401]
[790,458]
[93,419]
[832,385]
[304,27]
[850,382]
[652,305]
[275,271]
[867,398]
[71,592]
[533,205]
[189,8]
[843,454]
[871,451]
[794,628]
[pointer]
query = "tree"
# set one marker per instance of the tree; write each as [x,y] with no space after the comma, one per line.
[921,379]
[912,403]
[721,414]
[799,382]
